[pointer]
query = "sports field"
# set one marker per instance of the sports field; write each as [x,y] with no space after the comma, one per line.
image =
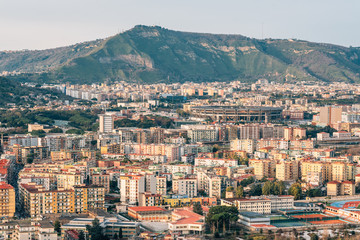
[327,222]
[305,216]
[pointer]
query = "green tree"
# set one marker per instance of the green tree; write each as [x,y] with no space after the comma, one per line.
[197,208]
[81,235]
[255,190]
[56,130]
[57,227]
[230,189]
[30,158]
[75,131]
[247,181]
[95,230]
[313,236]
[38,133]
[279,188]
[239,192]
[295,190]
[267,189]
[120,233]
[221,216]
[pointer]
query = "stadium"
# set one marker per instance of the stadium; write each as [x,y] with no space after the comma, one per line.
[238,113]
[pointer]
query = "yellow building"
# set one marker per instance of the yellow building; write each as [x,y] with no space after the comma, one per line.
[287,170]
[67,181]
[7,200]
[263,168]
[89,197]
[321,168]
[342,171]
[101,180]
[37,201]
[330,171]
[72,154]
[336,188]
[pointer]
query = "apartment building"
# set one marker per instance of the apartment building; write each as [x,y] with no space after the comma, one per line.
[287,170]
[101,180]
[7,200]
[212,162]
[66,181]
[336,188]
[130,188]
[38,201]
[75,155]
[150,199]
[247,145]
[177,168]
[329,171]
[89,197]
[263,168]
[161,186]
[106,123]
[185,187]
[25,229]
[211,184]
[30,154]
[202,135]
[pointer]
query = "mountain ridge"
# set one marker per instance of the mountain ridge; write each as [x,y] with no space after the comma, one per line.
[155,54]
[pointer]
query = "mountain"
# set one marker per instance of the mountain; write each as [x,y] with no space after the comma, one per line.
[154,54]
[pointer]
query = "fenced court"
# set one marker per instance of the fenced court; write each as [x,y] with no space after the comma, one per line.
[306,219]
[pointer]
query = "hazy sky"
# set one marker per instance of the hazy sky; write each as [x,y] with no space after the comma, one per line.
[40,24]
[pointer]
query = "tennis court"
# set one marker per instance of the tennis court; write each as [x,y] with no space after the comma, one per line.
[305,216]
[327,222]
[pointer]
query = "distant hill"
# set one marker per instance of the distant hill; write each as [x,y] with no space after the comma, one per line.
[154,54]
[12,92]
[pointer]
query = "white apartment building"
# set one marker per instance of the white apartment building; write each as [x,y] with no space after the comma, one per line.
[161,187]
[247,145]
[106,123]
[185,187]
[179,168]
[202,135]
[130,188]
[211,184]
[212,162]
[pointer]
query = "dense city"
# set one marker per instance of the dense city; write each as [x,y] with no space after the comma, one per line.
[228,160]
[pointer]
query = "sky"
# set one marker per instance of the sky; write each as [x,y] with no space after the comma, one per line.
[42,24]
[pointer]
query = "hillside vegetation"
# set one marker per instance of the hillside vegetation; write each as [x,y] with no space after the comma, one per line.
[154,54]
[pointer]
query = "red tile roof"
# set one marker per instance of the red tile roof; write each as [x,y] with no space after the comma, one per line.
[4,185]
[146,208]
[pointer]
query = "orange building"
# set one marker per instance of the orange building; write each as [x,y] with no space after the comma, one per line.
[7,200]
[149,213]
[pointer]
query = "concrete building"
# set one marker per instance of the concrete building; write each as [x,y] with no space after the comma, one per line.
[263,168]
[130,188]
[336,188]
[106,123]
[211,184]
[7,200]
[287,170]
[330,115]
[185,187]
